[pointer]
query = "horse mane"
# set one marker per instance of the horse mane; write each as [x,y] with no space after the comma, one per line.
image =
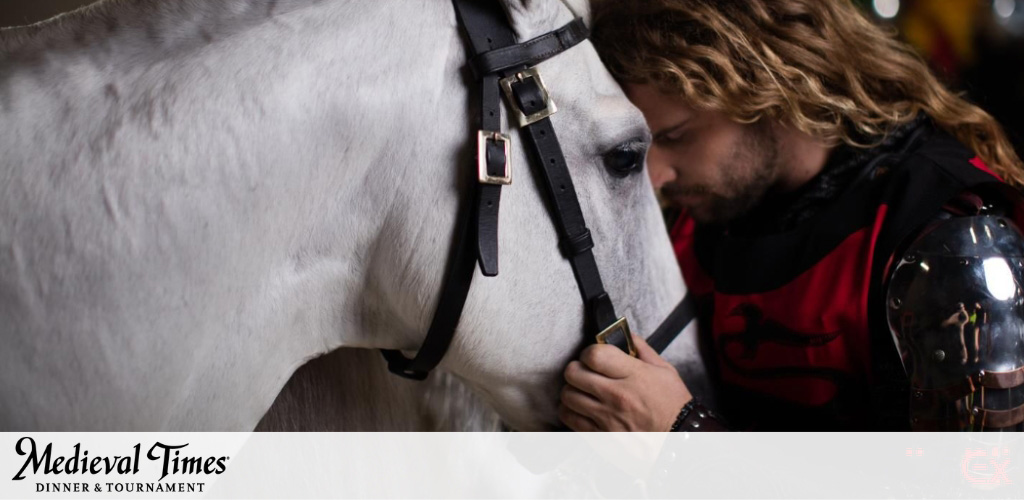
[105,17]
[63,25]
[108,16]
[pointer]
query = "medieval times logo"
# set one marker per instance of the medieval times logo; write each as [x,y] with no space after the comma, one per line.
[78,462]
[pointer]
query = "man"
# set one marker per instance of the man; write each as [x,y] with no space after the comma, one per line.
[845,220]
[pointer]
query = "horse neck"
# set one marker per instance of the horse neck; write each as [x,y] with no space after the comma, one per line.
[303,120]
[145,27]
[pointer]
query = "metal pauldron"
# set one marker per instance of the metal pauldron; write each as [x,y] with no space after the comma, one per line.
[955,307]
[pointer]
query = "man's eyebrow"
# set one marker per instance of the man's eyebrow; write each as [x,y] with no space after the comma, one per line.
[659,135]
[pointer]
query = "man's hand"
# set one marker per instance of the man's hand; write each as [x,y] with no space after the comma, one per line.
[610,391]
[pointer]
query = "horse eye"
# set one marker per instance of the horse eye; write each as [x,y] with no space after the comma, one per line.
[625,159]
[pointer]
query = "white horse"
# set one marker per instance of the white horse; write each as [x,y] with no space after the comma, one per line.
[352,390]
[197,197]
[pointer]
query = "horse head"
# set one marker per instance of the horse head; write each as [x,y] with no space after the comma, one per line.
[201,197]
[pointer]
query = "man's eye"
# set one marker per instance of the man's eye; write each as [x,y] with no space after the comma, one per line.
[625,158]
[674,138]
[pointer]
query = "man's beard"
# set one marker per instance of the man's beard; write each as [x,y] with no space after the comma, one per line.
[743,188]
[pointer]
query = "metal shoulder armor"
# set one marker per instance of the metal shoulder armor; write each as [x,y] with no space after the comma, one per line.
[955,306]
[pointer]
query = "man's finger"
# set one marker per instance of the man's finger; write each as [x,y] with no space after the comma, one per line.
[646,353]
[586,380]
[575,421]
[608,360]
[581,402]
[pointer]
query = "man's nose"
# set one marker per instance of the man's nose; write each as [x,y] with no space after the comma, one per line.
[659,169]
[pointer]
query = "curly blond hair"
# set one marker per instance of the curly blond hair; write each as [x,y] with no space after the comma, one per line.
[818,65]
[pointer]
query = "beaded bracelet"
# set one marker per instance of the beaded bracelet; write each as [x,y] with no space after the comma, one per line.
[696,417]
[685,412]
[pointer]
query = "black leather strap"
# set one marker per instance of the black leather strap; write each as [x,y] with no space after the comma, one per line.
[487,28]
[531,52]
[492,40]
[485,24]
[489,195]
[476,238]
[457,281]
[565,209]
[676,321]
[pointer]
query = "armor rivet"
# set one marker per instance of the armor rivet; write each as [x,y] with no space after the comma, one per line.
[939,355]
[965,262]
[1002,223]
[895,303]
[911,258]
[918,394]
[695,424]
[975,411]
[701,414]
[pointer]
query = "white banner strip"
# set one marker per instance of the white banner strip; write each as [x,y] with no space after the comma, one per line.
[510,465]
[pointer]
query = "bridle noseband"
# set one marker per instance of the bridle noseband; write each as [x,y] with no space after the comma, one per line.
[503,66]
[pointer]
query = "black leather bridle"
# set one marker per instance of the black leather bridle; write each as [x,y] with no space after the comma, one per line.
[503,66]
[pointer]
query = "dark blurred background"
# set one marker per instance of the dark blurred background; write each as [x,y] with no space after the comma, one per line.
[976,46]
[21,12]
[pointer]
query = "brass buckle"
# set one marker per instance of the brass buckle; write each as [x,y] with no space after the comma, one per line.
[620,325]
[481,158]
[522,118]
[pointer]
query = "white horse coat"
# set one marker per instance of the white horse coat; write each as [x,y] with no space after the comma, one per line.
[196,197]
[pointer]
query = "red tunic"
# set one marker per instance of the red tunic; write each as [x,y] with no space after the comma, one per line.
[793,323]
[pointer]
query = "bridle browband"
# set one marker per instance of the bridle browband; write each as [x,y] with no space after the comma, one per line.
[503,66]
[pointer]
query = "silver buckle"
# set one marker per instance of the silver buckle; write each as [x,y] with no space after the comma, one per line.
[620,325]
[522,118]
[481,158]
